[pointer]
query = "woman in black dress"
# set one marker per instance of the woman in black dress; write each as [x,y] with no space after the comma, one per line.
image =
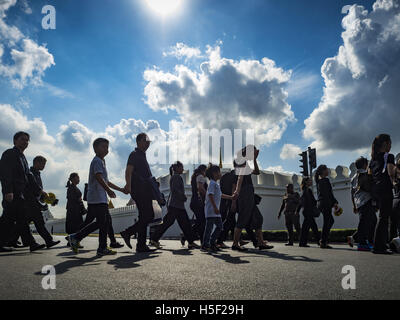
[310,212]
[326,201]
[383,172]
[199,189]
[75,207]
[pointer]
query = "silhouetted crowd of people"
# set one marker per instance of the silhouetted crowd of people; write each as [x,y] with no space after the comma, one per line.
[220,203]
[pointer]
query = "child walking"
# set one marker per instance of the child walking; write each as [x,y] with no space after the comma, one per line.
[211,209]
[176,210]
[361,186]
[98,188]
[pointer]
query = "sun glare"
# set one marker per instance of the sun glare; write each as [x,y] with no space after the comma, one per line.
[164,7]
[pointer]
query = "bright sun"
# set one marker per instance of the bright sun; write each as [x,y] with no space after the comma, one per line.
[164,7]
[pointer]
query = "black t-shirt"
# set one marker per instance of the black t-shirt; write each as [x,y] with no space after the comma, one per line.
[141,170]
[382,184]
[227,181]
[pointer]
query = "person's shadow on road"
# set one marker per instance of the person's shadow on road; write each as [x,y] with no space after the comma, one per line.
[179,252]
[72,262]
[282,256]
[229,259]
[130,261]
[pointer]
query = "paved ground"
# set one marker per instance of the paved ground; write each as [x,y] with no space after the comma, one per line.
[176,273]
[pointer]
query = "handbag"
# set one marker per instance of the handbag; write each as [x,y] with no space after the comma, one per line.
[316,212]
[257,199]
[158,216]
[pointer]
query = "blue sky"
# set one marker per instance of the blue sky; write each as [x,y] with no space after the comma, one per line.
[102,48]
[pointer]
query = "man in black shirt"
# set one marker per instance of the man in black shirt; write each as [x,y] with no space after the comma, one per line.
[15,177]
[34,207]
[137,177]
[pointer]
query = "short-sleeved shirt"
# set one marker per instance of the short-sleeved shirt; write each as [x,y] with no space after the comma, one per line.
[215,190]
[96,193]
[141,170]
[382,184]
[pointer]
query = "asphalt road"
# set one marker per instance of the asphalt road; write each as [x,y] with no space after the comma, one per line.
[177,273]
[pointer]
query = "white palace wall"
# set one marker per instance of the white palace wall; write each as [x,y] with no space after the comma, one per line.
[269,185]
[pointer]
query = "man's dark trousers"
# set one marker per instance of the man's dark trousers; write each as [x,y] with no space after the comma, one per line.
[99,211]
[144,203]
[35,214]
[14,221]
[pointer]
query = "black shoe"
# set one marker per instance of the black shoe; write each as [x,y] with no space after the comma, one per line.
[127,239]
[36,247]
[237,248]
[16,245]
[144,249]
[382,252]
[116,245]
[215,249]
[265,247]
[3,249]
[290,244]
[193,246]
[304,246]
[324,246]
[52,244]
[183,240]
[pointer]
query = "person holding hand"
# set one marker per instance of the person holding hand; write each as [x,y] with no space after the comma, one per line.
[98,188]
[211,209]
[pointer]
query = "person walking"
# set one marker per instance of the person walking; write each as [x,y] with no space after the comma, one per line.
[15,177]
[326,201]
[383,172]
[248,213]
[395,216]
[199,189]
[310,211]
[361,185]
[33,207]
[137,178]
[98,188]
[227,208]
[211,209]
[290,202]
[75,207]
[176,210]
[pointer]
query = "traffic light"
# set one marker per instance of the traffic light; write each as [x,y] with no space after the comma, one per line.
[304,162]
[312,156]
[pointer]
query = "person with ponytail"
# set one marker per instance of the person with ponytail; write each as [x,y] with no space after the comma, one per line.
[326,201]
[310,212]
[75,207]
[176,209]
[383,170]
[199,189]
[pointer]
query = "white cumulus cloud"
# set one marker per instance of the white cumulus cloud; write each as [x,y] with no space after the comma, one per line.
[224,94]
[28,60]
[290,151]
[361,94]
